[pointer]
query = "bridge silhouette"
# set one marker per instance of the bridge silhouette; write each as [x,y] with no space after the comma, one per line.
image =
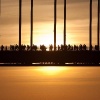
[56,55]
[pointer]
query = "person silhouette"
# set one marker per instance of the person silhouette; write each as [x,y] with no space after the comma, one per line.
[2,47]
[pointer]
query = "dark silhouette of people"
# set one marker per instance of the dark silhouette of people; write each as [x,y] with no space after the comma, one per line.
[80,47]
[16,47]
[65,47]
[28,47]
[84,47]
[23,47]
[75,48]
[51,47]
[69,47]
[43,48]
[91,47]
[96,47]
[12,47]
[62,47]
[5,48]
[34,47]
[2,47]
[58,48]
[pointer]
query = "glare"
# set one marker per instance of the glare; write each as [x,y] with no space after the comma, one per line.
[52,70]
[44,34]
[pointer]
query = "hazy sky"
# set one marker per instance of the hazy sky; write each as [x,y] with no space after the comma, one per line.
[77,22]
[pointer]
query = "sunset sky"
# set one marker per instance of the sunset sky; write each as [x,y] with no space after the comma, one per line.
[77,22]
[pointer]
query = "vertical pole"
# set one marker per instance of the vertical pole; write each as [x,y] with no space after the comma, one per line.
[31,37]
[98,25]
[55,5]
[20,22]
[64,22]
[90,35]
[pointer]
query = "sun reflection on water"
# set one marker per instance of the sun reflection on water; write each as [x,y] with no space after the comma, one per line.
[51,70]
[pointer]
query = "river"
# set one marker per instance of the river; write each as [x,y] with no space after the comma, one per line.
[49,83]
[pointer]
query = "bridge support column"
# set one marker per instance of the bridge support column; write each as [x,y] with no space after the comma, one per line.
[64,22]
[98,24]
[20,22]
[55,15]
[31,36]
[90,29]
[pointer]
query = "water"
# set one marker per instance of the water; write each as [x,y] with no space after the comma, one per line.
[49,83]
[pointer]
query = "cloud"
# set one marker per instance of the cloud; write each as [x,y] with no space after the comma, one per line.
[45,2]
[50,2]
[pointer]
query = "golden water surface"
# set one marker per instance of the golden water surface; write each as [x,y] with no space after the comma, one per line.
[49,83]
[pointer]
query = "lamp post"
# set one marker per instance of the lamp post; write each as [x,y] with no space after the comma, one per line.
[98,24]
[64,22]
[31,37]
[90,28]
[20,22]
[55,8]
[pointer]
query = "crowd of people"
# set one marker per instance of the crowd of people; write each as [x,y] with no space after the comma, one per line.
[44,48]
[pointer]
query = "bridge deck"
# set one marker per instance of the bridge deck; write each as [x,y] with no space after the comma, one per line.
[50,57]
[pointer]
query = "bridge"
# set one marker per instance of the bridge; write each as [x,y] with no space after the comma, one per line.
[61,56]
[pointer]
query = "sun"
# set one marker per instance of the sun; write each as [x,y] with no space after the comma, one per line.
[43,34]
[46,39]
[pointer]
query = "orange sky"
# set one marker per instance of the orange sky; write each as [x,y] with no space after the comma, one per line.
[77,22]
